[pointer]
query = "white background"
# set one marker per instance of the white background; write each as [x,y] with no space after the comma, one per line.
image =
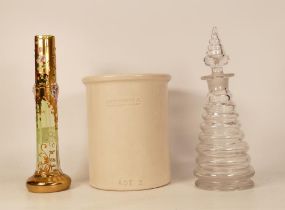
[144,36]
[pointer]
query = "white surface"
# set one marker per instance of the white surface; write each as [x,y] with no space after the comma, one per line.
[268,194]
[144,36]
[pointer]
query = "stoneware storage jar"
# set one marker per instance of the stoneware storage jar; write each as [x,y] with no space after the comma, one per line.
[127,127]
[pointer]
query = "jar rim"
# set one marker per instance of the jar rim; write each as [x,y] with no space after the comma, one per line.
[120,77]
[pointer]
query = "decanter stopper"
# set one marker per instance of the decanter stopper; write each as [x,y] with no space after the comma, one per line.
[216,57]
[222,162]
[48,176]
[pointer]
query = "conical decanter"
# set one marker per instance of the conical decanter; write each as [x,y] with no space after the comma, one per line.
[222,162]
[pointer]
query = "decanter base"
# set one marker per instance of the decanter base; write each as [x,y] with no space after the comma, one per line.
[222,185]
[48,184]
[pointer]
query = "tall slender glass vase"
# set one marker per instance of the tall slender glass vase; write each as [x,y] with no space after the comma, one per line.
[222,162]
[48,176]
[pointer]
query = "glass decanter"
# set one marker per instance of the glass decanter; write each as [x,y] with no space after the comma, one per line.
[222,162]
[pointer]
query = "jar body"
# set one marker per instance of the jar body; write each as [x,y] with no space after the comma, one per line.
[127,123]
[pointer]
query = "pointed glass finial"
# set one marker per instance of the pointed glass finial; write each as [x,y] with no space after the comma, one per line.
[215,56]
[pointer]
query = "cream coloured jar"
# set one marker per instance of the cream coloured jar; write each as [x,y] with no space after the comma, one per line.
[128,131]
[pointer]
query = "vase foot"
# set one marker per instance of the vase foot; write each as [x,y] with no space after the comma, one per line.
[48,184]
